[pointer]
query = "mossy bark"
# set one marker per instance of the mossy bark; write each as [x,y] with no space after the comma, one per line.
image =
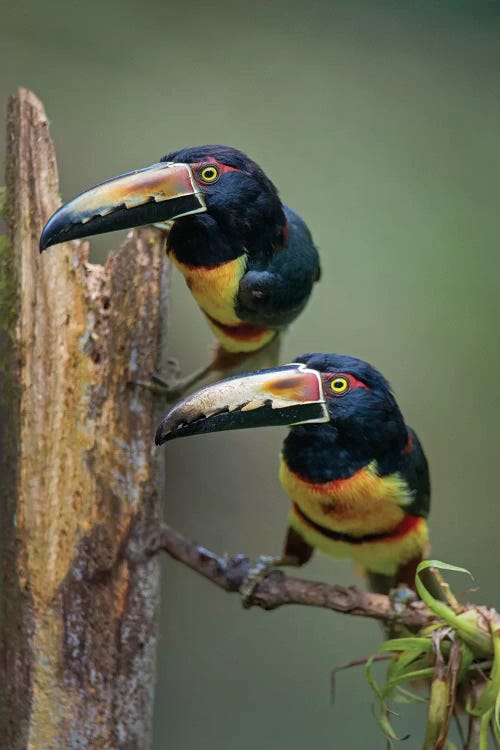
[78,468]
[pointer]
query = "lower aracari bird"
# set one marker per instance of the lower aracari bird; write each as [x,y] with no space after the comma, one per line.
[355,472]
[248,260]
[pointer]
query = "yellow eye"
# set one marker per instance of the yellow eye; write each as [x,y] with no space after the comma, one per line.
[339,385]
[209,174]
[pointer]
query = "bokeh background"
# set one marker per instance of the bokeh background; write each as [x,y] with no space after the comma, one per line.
[379,122]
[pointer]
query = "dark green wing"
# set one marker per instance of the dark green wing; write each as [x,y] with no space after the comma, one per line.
[415,470]
[274,290]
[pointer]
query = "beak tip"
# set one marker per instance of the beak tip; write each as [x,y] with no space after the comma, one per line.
[44,243]
[161,436]
[51,233]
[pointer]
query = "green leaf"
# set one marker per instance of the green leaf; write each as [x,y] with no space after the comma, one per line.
[464,623]
[370,676]
[407,696]
[418,674]
[385,725]
[403,663]
[437,719]
[439,608]
[466,659]
[496,719]
[406,673]
[442,566]
[483,732]
[415,644]
[411,649]
[488,699]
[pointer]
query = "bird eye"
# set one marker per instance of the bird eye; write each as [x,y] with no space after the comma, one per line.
[209,174]
[339,386]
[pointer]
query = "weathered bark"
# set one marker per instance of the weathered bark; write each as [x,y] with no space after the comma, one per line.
[77,466]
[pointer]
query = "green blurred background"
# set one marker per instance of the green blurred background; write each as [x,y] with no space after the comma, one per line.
[379,122]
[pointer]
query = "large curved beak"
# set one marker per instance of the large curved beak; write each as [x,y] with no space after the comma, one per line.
[158,193]
[287,395]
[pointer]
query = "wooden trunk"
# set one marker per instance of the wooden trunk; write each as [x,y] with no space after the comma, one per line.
[78,468]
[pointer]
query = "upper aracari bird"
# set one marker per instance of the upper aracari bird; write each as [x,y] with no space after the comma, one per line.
[355,473]
[249,261]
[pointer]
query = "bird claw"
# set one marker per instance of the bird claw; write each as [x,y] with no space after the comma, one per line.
[173,369]
[264,565]
[169,390]
[399,599]
[173,386]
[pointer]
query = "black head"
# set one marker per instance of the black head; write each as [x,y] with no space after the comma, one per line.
[355,392]
[330,401]
[203,190]
[365,422]
[244,211]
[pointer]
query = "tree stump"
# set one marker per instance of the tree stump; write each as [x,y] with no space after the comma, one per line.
[78,466]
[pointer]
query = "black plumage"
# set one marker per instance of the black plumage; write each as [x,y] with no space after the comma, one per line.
[245,216]
[365,425]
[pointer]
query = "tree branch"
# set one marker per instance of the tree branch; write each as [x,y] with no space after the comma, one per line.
[276,589]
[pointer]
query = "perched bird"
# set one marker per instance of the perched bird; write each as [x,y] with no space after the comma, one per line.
[249,261]
[355,472]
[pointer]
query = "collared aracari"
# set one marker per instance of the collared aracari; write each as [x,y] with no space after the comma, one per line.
[249,261]
[355,472]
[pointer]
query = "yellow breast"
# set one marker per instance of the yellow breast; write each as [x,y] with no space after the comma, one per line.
[365,503]
[215,289]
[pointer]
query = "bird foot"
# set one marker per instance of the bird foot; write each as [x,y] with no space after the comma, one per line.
[264,565]
[170,390]
[399,599]
[172,386]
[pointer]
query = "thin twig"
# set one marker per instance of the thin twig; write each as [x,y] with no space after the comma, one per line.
[354,663]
